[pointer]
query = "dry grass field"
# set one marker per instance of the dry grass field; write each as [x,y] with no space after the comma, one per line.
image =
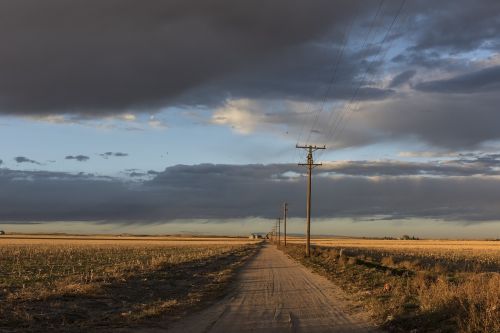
[76,284]
[88,283]
[415,286]
[459,255]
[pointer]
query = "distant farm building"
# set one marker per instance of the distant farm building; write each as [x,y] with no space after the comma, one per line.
[255,236]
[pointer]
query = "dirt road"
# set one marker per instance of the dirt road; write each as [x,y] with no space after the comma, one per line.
[275,294]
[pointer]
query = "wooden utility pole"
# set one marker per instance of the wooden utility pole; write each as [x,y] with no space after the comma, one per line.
[279,231]
[310,165]
[285,210]
[276,232]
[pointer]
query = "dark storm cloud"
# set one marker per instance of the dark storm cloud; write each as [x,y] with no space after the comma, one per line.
[79,158]
[440,34]
[481,80]
[456,122]
[302,73]
[431,60]
[44,196]
[456,25]
[93,58]
[96,57]
[402,78]
[23,159]
[355,190]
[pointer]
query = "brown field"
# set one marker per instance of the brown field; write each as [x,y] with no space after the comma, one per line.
[118,240]
[86,283]
[472,247]
[417,286]
[458,255]
[90,283]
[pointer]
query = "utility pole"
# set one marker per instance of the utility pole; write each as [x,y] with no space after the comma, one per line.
[276,232]
[310,165]
[279,231]
[276,227]
[285,210]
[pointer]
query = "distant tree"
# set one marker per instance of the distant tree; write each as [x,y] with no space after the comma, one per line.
[407,237]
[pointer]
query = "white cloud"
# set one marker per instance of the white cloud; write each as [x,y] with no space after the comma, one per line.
[127,117]
[243,115]
[52,118]
[427,154]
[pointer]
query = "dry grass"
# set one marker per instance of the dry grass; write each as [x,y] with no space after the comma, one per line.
[417,289]
[30,240]
[85,285]
[452,255]
[471,248]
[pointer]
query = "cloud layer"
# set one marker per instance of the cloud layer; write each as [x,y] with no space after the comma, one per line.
[95,58]
[464,189]
[314,70]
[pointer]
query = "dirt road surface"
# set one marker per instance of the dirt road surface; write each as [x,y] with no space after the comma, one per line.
[273,293]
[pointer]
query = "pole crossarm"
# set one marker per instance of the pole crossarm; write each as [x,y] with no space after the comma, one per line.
[313,164]
[313,147]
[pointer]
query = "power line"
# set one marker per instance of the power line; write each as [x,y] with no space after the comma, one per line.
[332,79]
[338,120]
[377,13]
[357,103]
[310,113]
[349,108]
[363,47]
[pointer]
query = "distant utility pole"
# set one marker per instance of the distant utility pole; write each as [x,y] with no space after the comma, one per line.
[279,231]
[310,165]
[285,210]
[276,231]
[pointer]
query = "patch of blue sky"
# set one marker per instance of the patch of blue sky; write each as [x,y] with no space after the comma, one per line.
[182,142]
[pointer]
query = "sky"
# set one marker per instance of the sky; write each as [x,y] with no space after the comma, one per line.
[183,116]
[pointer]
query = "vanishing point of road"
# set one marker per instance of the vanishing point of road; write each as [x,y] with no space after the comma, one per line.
[273,293]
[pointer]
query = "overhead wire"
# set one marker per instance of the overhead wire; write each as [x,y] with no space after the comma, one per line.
[310,111]
[334,116]
[332,79]
[356,106]
[336,130]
